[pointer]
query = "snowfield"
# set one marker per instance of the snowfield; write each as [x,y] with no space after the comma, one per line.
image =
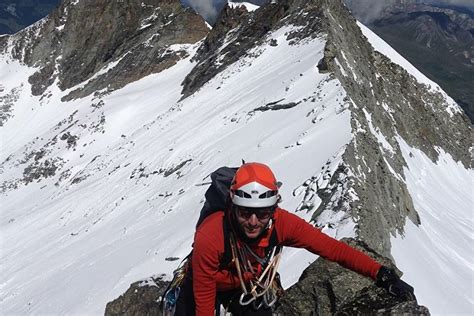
[71,245]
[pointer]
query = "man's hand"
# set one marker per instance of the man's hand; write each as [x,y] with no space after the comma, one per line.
[389,280]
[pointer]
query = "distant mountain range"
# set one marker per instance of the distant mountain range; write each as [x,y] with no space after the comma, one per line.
[438,40]
[16,15]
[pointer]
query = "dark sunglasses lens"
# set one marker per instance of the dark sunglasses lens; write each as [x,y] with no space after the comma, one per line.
[261,213]
[245,213]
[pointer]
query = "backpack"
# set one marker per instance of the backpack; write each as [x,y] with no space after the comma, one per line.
[217,195]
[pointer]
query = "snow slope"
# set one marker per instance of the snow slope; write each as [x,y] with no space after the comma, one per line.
[129,200]
[437,257]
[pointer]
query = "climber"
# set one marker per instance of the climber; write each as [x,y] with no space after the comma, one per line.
[236,251]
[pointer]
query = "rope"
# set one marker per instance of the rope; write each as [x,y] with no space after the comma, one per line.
[260,286]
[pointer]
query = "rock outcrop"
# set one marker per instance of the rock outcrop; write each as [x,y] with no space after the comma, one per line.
[326,288]
[142,298]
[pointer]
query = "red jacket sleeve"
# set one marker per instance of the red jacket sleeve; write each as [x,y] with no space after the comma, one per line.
[293,231]
[207,278]
[205,263]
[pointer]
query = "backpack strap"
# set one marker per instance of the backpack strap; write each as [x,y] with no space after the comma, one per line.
[227,255]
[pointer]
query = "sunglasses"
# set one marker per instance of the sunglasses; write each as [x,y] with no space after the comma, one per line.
[261,213]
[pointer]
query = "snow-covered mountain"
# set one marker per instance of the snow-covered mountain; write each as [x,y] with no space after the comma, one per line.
[113,114]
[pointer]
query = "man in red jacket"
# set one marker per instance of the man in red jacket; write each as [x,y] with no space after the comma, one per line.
[256,229]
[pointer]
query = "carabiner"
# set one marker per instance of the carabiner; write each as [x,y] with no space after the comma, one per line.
[241,301]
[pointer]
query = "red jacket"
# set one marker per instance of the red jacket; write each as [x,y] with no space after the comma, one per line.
[291,231]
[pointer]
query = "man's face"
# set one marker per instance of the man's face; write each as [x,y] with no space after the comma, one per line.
[253,220]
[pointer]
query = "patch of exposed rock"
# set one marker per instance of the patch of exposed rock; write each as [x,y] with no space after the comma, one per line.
[326,288]
[142,298]
[7,100]
[105,44]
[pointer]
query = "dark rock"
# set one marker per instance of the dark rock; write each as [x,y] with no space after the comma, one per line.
[326,288]
[174,169]
[7,100]
[171,258]
[329,55]
[42,169]
[275,106]
[241,31]
[142,298]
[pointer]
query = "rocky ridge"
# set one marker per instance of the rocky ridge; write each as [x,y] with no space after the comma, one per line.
[427,33]
[387,105]
[89,46]
[237,33]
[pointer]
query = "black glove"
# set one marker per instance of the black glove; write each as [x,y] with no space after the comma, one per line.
[389,280]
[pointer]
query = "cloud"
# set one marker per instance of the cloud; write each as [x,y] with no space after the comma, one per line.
[208,9]
[367,10]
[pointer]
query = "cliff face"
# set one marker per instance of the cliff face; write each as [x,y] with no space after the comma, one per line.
[104,45]
[387,104]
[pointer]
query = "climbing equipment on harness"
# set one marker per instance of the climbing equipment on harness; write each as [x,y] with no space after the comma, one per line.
[170,297]
[265,285]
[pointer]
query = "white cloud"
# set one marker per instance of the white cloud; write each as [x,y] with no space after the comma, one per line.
[206,8]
